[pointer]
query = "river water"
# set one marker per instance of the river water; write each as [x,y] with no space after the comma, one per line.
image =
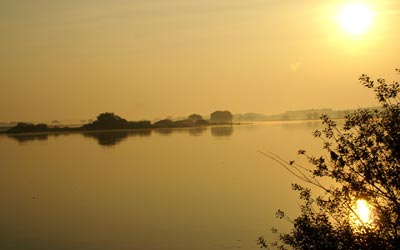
[167,189]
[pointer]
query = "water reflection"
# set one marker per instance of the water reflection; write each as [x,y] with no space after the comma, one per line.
[104,138]
[222,131]
[112,138]
[27,138]
[195,131]
[304,125]
[165,131]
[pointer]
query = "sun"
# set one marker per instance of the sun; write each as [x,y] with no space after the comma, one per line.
[356,18]
[363,211]
[362,214]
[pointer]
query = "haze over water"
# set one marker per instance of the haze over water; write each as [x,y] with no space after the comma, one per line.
[195,188]
[72,59]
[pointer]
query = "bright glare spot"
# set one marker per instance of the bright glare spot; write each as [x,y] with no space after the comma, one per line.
[356,18]
[364,215]
[363,211]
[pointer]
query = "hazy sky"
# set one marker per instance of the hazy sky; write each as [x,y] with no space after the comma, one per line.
[72,59]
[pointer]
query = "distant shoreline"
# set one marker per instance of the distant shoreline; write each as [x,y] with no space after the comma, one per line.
[75,130]
[110,121]
[80,131]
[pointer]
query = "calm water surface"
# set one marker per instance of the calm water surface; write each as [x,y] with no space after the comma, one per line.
[178,189]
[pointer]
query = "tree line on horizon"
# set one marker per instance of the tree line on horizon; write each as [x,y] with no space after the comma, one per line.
[307,114]
[110,121]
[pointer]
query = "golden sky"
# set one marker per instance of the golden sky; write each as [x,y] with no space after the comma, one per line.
[72,59]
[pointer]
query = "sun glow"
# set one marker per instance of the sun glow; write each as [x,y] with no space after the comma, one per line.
[363,214]
[356,18]
[363,211]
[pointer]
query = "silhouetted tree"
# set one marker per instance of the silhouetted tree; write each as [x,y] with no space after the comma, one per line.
[195,117]
[107,121]
[197,120]
[140,124]
[23,127]
[221,117]
[110,119]
[201,123]
[184,123]
[166,123]
[364,162]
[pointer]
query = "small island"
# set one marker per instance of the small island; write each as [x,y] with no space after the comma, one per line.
[111,121]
